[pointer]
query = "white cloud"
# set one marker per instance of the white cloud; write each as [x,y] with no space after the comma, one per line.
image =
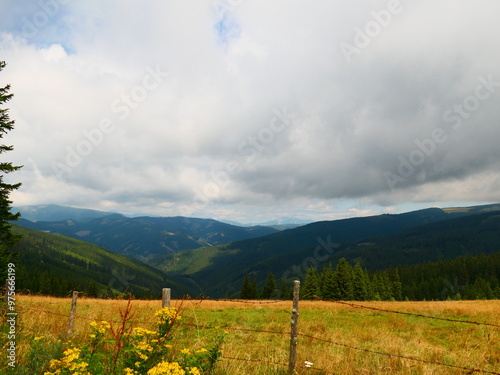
[227,75]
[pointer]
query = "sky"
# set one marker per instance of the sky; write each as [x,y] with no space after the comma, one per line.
[252,111]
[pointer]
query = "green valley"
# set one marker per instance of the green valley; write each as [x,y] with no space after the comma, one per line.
[55,265]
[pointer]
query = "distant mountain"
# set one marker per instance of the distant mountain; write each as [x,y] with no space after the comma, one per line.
[53,264]
[376,242]
[286,221]
[472,209]
[55,212]
[282,222]
[281,227]
[148,238]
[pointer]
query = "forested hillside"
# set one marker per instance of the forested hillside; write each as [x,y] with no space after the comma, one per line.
[461,278]
[149,238]
[287,254]
[55,265]
[476,277]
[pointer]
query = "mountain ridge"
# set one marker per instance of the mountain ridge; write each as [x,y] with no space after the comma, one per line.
[53,264]
[145,238]
[56,212]
[279,253]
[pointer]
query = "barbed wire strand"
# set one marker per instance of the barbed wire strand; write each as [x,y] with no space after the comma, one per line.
[348,346]
[344,345]
[471,370]
[251,302]
[78,317]
[355,305]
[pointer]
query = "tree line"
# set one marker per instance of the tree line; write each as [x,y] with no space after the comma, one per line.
[345,282]
[467,277]
[470,277]
[270,289]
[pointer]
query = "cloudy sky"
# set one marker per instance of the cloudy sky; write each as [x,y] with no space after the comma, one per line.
[250,110]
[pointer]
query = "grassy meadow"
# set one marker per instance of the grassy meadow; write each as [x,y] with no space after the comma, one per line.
[245,351]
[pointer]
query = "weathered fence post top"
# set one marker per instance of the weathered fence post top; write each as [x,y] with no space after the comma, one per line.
[165,297]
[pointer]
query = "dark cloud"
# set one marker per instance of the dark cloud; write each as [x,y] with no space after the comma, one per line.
[173,109]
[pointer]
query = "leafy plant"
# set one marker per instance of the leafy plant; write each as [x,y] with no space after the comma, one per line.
[119,348]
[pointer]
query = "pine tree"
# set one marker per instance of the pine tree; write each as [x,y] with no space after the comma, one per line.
[311,286]
[328,288]
[269,290]
[7,238]
[343,280]
[370,288]
[360,283]
[286,290]
[382,286]
[254,290]
[397,287]
[246,289]
[45,284]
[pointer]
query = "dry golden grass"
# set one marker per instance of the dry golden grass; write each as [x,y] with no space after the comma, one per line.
[456,344]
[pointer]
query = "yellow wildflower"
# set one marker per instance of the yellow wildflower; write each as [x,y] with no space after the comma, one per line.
[54,363]
[185,351]
[71,354]
[167,314]
[144,346]
[100,327]
[167,368]
[194,371]
[143,332]
[104,326]
[78,367]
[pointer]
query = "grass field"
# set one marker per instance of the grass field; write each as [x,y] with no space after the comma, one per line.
[322,325]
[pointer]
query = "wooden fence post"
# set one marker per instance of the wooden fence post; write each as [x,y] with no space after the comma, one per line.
[165,297]
[295,327]
[72,312]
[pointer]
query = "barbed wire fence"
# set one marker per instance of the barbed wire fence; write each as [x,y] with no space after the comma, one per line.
[292,367]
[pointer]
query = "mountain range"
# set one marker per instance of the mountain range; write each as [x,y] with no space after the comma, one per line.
[144,238]
[56,212]
[53,264]
[376,242]
[203,256]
